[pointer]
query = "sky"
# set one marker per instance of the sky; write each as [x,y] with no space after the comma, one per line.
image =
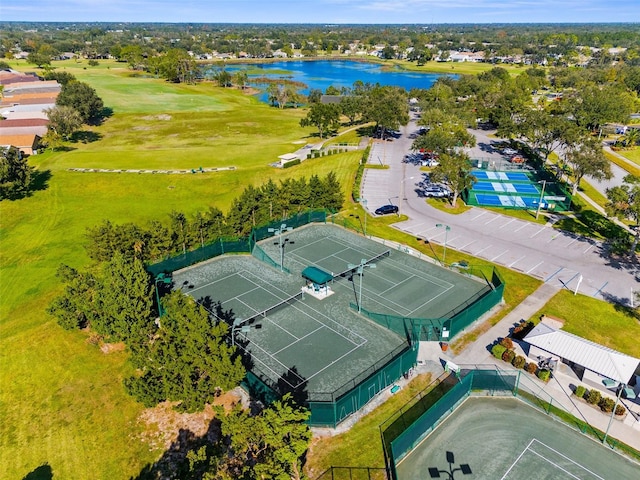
[322,11]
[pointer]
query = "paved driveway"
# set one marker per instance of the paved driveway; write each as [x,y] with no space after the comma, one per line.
[558,258]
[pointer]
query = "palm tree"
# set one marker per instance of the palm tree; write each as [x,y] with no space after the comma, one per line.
[631,138]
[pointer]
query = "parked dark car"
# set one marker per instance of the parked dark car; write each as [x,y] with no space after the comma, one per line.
[387,209]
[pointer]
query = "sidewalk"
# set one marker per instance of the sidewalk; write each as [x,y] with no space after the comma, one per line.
[559,387]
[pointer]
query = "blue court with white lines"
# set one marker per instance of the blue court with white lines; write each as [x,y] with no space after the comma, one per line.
[501,176]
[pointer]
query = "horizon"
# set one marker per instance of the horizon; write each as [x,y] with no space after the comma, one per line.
[324,12]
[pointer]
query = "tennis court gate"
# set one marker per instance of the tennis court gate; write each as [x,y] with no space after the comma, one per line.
[406,428]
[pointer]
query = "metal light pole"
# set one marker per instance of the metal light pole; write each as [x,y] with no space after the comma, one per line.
[364,202]
[161,277]
[620,386]
[544,184]
[360,270]
[446,232]
[279,231]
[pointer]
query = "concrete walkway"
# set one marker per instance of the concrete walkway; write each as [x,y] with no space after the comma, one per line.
[559,388]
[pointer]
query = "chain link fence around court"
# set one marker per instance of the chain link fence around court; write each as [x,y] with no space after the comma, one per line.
[453,322]
[411,424]
[224,246]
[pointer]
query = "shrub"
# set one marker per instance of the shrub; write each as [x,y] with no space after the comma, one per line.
[291,163]
[606,404]
[580,391]
[519,361]
[620,410]
[531,367]
[594,397]
[544,375]
[521,330]
[507,343]
[498,350]
[508,356]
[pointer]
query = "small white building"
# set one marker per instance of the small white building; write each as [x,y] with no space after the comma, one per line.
[589,361]
[288,157]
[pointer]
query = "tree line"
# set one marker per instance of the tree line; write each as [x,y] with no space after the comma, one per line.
[181,232]
[185,355]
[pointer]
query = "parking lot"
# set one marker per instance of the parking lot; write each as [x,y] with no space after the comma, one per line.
[560,258]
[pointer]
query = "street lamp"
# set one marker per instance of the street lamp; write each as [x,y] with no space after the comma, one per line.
[446,232]
[364,202]
[279,231]
[359,269]
[161,278]
[621,387]
[364,229]
[464,468]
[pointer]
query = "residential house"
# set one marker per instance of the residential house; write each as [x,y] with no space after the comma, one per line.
[27,144]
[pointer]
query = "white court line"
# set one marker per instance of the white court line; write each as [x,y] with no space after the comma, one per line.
[529,449]
[297,339]
[535,266]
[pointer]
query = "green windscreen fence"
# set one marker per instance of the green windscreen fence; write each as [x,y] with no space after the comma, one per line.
[459,318]
[239,245]
[328,409]
[402,432]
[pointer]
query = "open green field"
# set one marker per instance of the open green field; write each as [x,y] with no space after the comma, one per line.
[61,400]
[613,326]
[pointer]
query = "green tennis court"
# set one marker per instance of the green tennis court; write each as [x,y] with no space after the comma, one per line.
[319,345]
[506,439]
[306,343]
[400,284]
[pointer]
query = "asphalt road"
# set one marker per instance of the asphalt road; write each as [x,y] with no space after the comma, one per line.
[559,258]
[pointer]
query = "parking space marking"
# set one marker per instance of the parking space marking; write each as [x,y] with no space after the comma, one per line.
[482,250]
[534,267]
[479,215]
[540,230]
[510,221]
[556,272]
[495,217]
[516,261]
[525,224]
[553,237]
[499,255]
[464,247]
[588,248]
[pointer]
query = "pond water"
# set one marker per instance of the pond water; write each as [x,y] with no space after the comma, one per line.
[320,74]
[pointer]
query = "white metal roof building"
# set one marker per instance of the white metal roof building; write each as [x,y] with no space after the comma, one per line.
[602,361]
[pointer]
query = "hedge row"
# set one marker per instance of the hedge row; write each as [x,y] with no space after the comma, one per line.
[594,397]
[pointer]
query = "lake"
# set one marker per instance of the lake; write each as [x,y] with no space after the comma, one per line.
[320,74]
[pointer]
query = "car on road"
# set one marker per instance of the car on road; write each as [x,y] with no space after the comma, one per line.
[510,151]
[387,209]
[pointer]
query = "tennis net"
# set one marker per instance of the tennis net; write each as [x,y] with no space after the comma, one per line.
[350,271]
[278,306]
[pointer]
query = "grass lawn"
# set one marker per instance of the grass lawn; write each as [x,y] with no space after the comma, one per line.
[457,68]
[613,326]
[632,154]
[361,446]
[62,402]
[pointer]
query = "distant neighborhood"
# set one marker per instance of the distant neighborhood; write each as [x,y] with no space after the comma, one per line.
[26,97]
